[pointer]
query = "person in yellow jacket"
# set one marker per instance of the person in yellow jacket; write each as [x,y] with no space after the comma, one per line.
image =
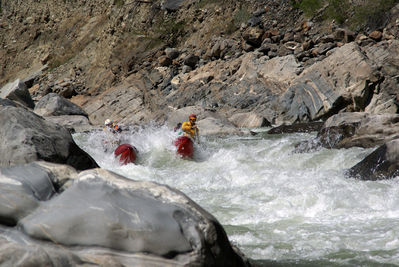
[190,129]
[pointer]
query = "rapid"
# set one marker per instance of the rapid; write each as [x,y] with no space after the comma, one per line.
[276,205]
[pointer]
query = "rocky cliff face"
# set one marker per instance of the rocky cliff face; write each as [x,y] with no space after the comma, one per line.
[135,61]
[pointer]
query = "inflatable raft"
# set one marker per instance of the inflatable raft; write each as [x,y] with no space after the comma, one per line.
[184,146]
[126,153]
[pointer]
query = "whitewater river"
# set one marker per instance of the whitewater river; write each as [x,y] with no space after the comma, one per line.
[277,206]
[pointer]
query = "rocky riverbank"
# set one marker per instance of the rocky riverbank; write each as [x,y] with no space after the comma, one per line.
[237,64]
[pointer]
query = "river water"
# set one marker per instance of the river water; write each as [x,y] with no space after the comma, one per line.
[279,207]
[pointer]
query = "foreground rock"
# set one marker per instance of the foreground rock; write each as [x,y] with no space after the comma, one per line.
[383,163]
[27,137]
[113,220]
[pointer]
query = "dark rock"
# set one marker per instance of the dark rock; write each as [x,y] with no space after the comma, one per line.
[307,45]
[67,92]
[191,61]
[330,137]
[172,53]
[164,61]
[383,163]
[254,21]
[297,128]
[172,5]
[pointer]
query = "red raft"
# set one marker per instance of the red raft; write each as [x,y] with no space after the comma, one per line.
[185,146]
[127,153]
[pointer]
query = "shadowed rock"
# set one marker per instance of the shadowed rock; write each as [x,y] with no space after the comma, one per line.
[28,137]
[383,163]
[297,128]
[23,186]
[7,102]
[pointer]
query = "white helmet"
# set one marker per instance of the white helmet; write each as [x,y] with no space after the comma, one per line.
[107,122]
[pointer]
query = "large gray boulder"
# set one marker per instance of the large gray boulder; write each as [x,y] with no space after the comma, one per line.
[112,219]
[18,92]
[346,77]
[55,105]
[27,137]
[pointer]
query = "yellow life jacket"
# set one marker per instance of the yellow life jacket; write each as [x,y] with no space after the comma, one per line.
[188,130]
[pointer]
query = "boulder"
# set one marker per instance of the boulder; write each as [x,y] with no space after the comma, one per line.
[22,188]
[111,217]
[191,61]
[71,122]
[172,53]
[27,137]
[249,120]
[18,92]
[55,105]
[172,5]
[359,129]
[253,36]
[383,163]
[215,126]
[304,127]
[329,86]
